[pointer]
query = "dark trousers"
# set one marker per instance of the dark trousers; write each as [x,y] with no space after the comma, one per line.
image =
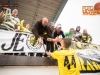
[16,53]
[41,54]
[22,54]
[8,53]
[50,47]
[31,54]
[56,47]
[11,53]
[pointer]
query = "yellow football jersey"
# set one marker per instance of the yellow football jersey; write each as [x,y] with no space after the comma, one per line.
[67,62]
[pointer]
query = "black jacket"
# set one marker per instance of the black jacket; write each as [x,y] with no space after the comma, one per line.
[38,30]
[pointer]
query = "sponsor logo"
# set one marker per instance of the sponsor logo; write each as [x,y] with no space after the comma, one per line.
[32,43]
[91,10]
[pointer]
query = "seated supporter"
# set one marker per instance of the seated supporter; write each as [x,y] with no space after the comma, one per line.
[24,29]
[85,37]
[77,32]
[70,34]
[11,21]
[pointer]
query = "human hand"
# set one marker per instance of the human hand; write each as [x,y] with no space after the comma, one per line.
[17,30]
[40,41]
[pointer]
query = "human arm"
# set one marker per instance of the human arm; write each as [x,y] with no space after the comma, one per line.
[48,53]
[21,25]
[35,32]
[66,34]
[17,25]
[1,14]
[90,38]
[54,54]
[63,34]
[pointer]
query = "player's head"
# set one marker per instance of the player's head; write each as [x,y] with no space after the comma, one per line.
[44,21]
[66,43]
[15,12]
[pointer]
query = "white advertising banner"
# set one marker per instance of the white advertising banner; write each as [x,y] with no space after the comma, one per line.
[13,42]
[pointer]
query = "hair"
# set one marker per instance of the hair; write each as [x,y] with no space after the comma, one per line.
[45,19]
[58,25]
[15,10]
[78,27]
[51,24]
[67,42]
[71,29]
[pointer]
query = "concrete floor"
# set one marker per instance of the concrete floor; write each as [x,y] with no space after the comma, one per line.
[32,70]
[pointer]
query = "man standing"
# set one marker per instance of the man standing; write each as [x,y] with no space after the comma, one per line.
[50,45]
[40,29]
[67,58]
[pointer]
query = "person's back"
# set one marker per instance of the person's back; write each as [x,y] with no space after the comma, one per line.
[67,59]
[67,62]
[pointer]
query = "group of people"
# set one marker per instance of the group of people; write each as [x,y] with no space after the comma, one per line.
[54,38]
[10,21]
[77,36]
[43,29]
